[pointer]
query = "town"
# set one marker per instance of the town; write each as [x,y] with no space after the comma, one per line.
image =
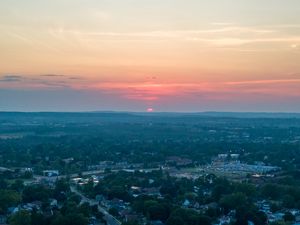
[97,181]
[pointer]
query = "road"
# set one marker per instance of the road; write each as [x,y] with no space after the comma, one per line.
[110,220]
[88,173]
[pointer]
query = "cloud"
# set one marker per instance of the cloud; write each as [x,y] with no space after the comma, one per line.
[11,78]
[154,91]
[45,81]
[254,82]
[217,35]
[222,23]
[52,75]
[230,41]
[76,78]
[216,31]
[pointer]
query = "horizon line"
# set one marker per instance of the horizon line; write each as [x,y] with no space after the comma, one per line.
[153,112]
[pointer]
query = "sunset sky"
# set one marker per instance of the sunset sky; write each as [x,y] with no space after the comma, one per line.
[165,55]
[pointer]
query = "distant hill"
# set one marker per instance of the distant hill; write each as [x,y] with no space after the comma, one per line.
[115,114]
[203,119]
[222,114]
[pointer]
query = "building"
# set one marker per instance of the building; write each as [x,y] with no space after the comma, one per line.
[51,173]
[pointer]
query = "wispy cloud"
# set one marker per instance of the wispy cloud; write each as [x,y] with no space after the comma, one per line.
[219,35]
[154,92]
[10,78]
[43,81]
[52,75]
[151,91]
[253,82]
[159,34]
[216,35]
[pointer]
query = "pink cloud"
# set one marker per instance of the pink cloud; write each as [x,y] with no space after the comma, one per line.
[154,91]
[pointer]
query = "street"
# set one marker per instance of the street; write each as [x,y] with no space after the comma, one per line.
[110,220]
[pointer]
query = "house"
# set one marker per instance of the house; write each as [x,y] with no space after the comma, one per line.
[53,203]
[33,205]
[275,217]
[26,169]
[156,222]
[99,198]
[68,160]
[151,191]
[13,210]
[224,220]
[51,173]
[186,203]
[3,219]
[115,203]
[212,205]
[179,161]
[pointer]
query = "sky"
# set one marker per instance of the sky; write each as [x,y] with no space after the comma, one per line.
[150,55]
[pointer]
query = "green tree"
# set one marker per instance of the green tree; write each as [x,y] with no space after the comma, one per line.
[175,220]
[37,218]
[18,185]
[76,219]
[20,218]
[233,201]
[113,211]
[130,223]
[36,193]
[289,217]
[158,211]
[8,198]
[3,183]
[288,201]
[61,188]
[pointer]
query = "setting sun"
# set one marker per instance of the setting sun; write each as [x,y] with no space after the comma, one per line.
[150,110]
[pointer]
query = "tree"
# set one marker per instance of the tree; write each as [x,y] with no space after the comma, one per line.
[222,187]
[85,209]
[272,191]
[113,212]
[213,212]
[61,188]
[233,201]
[187,217]
[204,220]
[74,198]
[76,219]
[175,220]
[18,185]
[27,175]
[288,201]
[247,189]
[8,198]
[3,184]
[20,218]
[70,219]
[69,207]
[130,223]
[59,220]
[159,211]
[37,218]
[289,217]
[169,188]
[36,193]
